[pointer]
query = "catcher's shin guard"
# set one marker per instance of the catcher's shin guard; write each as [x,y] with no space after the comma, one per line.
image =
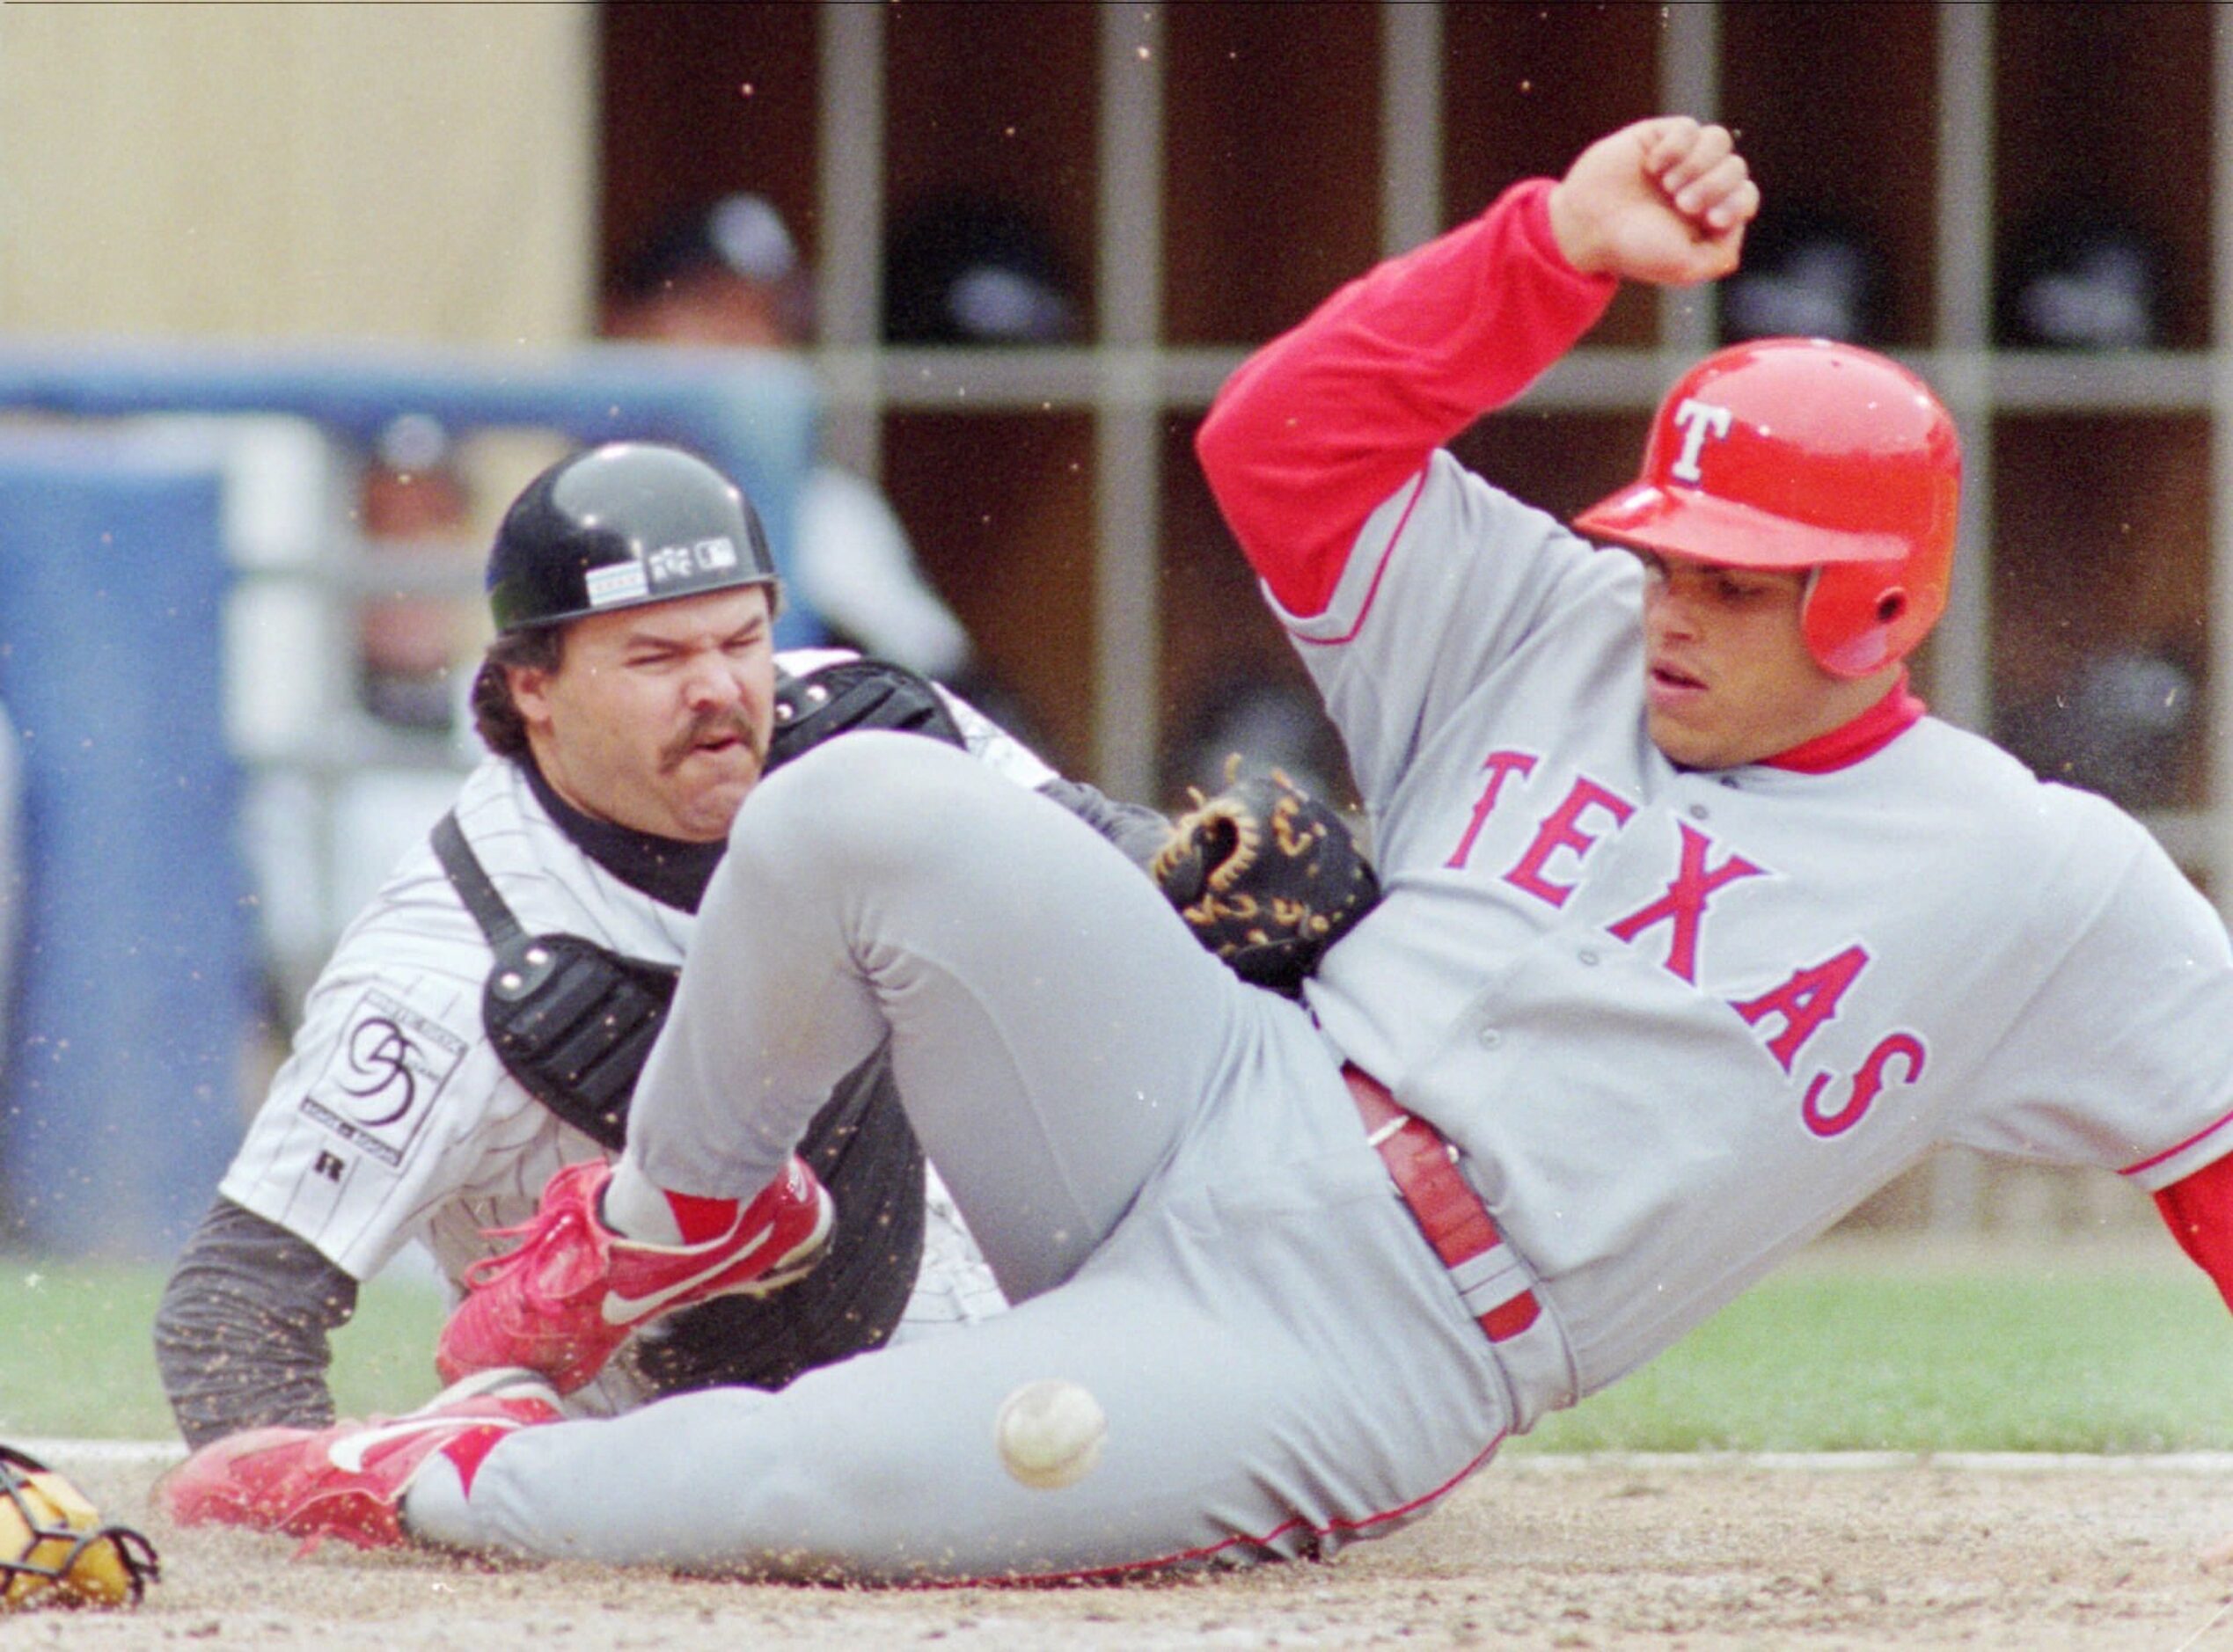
[573,1289]
[349,1481]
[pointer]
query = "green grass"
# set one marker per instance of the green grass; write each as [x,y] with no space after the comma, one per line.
[1898,1350]
[1990,1356]
[77,1358]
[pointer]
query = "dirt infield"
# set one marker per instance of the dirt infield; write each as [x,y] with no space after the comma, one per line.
[1537,1553]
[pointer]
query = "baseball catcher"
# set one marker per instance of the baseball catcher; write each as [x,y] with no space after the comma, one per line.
[55,1550]
[1266,876]
[483,1022]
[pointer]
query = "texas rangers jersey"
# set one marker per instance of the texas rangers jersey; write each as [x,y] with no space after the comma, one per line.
[1678,1021]
[1682,1021]
[393,1119]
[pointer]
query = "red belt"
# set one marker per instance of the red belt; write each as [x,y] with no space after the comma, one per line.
[1447,1209]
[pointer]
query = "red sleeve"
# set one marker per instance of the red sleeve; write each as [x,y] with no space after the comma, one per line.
[1320,425]
[2200,1212]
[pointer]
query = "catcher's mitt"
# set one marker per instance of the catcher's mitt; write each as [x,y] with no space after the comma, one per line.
[54,1550]
[1266,876]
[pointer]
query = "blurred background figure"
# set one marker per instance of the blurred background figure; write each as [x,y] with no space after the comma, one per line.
[2099,678]
[962,270]
[1809,272]
[415,503]
[321,842]
[2121,722]
[730,276]
[971,271]
[2081,278]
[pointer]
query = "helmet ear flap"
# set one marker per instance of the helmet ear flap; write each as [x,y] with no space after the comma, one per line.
[1859,617]
[1841,624]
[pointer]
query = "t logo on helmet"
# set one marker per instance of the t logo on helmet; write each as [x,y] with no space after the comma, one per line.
[1699,419]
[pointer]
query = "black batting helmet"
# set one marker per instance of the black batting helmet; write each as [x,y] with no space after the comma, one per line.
[619,526]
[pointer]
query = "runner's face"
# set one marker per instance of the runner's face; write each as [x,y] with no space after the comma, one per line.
[1728,678]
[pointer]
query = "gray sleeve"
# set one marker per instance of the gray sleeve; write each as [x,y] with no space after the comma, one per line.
[1134,828]
[240,1335]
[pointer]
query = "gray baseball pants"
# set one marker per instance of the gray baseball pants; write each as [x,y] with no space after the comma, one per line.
[1162,1165]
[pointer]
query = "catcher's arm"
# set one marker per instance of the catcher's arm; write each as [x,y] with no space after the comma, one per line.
[1266,876]
[241,1334]
[1134,828]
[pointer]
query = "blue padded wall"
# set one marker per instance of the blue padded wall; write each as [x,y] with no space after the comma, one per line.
[120,1099]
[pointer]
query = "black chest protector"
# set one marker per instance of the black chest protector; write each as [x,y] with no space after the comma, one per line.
[855,694]
[574,1021]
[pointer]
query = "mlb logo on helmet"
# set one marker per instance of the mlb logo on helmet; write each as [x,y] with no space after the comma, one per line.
[676,566]
[672,562]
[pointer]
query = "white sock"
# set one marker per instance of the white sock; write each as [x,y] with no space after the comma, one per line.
[634,1207]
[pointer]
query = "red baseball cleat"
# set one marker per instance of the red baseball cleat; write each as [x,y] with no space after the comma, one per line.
[347,1481]
[573,1289]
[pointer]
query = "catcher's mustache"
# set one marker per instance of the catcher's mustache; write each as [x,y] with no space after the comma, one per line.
[729,723]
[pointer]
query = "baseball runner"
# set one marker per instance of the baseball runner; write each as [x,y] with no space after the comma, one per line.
[417,1104]
[1697,930]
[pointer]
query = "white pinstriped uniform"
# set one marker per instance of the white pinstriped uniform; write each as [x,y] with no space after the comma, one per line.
[394,1121]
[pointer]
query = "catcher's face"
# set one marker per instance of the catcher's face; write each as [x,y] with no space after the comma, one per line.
[1727,676]
[657,718]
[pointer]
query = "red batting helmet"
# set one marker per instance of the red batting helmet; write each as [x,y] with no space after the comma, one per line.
[1800,453]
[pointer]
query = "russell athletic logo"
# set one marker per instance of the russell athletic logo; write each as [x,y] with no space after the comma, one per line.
[1698,420]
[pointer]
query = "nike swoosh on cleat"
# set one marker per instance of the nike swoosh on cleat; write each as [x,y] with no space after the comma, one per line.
[349,1452]
[619,1309]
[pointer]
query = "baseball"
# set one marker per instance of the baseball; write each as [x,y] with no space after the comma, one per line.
[1050,1434]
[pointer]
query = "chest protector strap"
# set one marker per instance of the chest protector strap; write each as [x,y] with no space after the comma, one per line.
[572,1021]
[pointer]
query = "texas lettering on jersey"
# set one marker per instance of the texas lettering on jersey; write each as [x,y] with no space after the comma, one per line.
[1785,1018]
